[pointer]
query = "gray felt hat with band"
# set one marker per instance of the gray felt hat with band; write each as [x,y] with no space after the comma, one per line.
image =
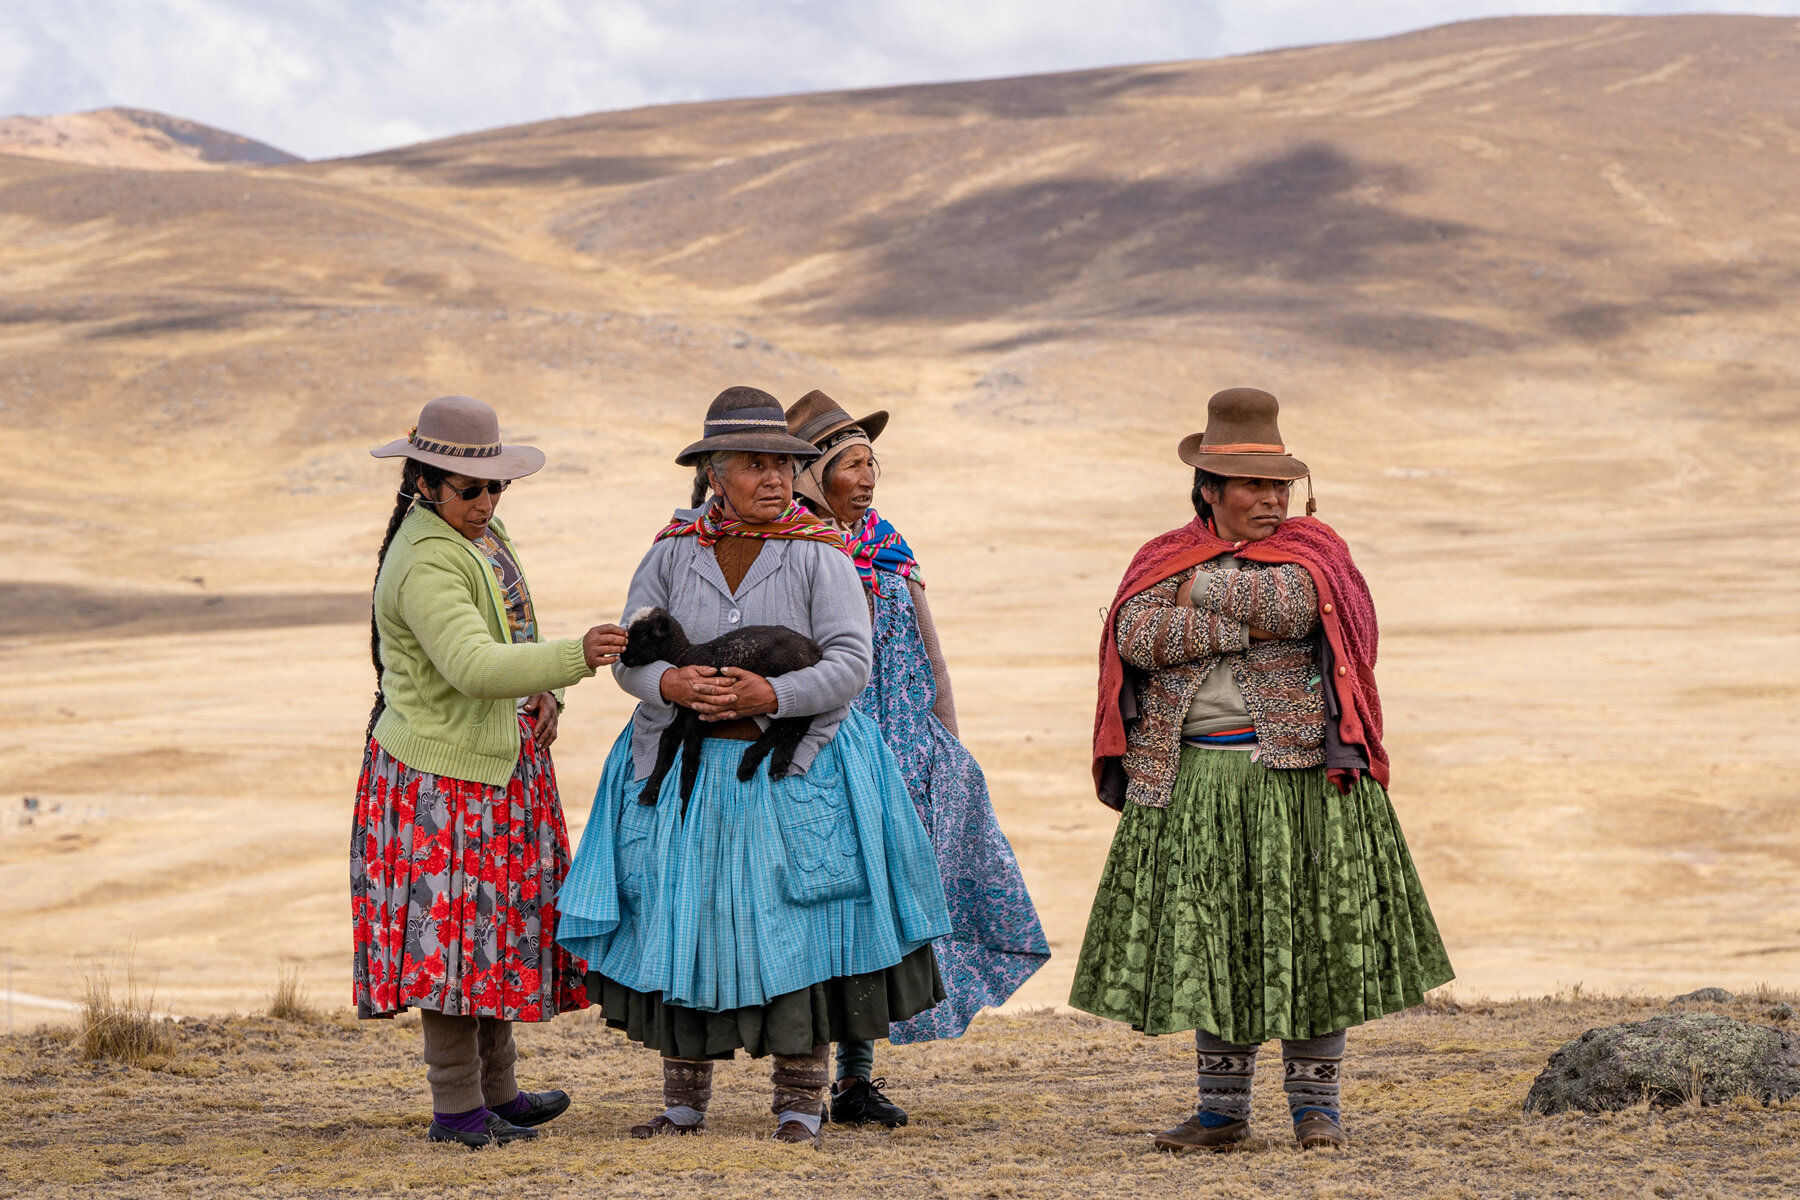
[750,420]
[461,435]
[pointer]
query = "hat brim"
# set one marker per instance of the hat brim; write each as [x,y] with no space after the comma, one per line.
[513,462]
[1241,466]
[748,443]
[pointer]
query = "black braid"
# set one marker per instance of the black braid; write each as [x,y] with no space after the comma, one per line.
[700,485]
[412,475]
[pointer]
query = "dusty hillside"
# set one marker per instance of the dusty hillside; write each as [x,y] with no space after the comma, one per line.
[1522,285]
[134,138]
[1030,1106]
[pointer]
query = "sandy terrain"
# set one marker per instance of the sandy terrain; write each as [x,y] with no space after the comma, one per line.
[1525,289]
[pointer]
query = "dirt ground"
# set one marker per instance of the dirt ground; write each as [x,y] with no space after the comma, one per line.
[1037,1104]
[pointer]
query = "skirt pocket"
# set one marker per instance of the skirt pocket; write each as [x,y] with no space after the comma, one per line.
[818,831]
[633,862]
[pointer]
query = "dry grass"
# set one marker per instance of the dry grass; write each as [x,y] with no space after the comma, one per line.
[1034,1106]
[120,1023]
[288,999]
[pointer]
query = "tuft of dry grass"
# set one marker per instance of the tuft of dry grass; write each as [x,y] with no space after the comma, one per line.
[288,999]
[119,1023]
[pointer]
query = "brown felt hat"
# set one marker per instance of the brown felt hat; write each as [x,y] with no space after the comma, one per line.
[462,435]
[747,419]
[1241,440]
[816,416]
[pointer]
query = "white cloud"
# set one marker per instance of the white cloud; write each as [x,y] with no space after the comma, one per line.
[328,77]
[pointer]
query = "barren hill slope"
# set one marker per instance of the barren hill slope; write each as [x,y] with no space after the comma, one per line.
[1523,286]
[133,137]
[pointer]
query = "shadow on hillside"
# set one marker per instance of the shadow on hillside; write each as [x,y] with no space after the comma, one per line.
[598,170]
[59,611]
[1292,219]
[1036,97]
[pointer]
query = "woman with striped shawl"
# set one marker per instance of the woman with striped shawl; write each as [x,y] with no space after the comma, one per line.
[995,941]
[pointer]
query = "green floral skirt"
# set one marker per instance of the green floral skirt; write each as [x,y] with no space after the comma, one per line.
[1259,904]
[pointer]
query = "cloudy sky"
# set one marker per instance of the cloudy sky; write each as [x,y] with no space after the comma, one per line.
[330,77]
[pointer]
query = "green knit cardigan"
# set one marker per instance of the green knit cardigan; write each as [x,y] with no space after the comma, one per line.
[450,673]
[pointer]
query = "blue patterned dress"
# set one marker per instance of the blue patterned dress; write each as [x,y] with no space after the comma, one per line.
[996,941]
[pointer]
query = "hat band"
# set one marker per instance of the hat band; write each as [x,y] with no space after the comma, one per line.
[454,449]
[745,420]
[819,424]
[1242,448]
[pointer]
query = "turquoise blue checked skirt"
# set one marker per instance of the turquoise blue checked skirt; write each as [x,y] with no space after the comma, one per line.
[774,912]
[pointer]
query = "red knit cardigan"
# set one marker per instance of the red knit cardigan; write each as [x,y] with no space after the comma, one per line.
[1346,611]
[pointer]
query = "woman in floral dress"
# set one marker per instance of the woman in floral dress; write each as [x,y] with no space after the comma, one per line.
[996,941]
[458,845]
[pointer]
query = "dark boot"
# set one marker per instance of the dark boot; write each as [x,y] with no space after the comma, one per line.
[863,1102]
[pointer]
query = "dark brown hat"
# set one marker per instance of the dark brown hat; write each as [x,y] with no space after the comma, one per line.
[462,435]
[1241,440]
[747,419]
[816,416]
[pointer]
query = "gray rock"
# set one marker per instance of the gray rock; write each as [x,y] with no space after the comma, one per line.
[1781,1012]
[1705,996]
[1668,1059]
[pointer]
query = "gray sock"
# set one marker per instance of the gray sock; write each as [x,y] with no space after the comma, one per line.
[1226,1070]
[1312,1070]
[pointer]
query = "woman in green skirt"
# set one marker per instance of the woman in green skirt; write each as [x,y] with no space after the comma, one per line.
[1258,885]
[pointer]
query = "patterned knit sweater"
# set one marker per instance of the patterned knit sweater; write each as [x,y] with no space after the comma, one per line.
[1174,646]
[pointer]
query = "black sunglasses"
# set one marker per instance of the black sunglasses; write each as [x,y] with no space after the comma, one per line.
[492,487]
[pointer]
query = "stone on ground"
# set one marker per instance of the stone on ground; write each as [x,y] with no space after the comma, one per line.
[1669,1060]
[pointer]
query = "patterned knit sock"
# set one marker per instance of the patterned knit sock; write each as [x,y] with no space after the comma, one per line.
[1311,1077]
[800,1081]
[1226,1071]
[687,1089]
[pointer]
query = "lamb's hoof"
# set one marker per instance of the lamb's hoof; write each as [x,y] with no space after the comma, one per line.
[746,772]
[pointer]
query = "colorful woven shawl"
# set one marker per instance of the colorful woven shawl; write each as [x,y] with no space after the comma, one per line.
[877,546]
[794,524]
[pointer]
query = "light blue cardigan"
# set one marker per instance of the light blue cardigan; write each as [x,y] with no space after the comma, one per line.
[807,586]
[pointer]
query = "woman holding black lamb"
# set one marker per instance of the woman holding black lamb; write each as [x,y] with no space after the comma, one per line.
[773,915]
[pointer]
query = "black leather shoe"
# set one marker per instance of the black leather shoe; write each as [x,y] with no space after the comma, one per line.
[862,1102]
[545,1106]
[474,1141]
[504,1131]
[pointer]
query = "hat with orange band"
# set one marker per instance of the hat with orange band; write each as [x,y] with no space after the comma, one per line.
[1242,440]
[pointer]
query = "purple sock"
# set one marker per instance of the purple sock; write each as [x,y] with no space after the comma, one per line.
[473,1121]
[514,1107]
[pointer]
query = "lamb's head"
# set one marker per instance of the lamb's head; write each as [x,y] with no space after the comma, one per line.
[651,634]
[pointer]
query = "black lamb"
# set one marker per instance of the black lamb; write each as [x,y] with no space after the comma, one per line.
[653,635]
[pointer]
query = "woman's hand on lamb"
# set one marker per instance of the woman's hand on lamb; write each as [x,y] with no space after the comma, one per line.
[718,695]
[544,712]
[602,645]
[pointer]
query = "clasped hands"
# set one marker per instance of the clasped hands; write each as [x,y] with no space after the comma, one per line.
[719,695]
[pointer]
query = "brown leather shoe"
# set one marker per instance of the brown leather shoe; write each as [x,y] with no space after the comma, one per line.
[1192,1135]
[794,1132]
[1316,1131]
[660,1124]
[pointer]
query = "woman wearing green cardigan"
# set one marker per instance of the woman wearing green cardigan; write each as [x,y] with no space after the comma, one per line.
[458,846]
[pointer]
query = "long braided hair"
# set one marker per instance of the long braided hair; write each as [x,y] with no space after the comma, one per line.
[412,475]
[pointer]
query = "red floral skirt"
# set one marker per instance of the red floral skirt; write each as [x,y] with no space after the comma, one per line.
[453,892]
